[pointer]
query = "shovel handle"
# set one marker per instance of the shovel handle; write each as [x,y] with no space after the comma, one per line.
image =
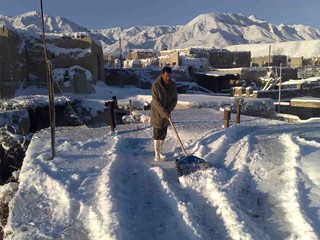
[175,130]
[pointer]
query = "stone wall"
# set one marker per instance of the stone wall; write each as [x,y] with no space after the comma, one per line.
[22,62]
[65,53]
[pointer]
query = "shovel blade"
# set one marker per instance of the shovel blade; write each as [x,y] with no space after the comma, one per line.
[189,164]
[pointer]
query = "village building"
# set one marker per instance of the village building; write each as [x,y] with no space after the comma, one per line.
[77,62]
[13,63]
[218,81]
[217,58]
[274,60]
[295,61]
[135,54]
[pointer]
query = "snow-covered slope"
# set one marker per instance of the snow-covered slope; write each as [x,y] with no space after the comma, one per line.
[306,49]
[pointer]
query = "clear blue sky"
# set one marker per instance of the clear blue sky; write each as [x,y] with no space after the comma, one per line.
[125,13]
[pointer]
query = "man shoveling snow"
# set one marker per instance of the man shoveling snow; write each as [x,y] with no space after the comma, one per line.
[164,100]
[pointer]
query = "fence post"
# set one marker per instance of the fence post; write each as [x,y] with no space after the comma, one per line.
[114,98]
[239,103]
[112,120]
[130,107]
[226,117]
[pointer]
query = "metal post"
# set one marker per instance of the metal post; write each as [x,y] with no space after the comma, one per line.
[112,121]
[226,117]
[280,88]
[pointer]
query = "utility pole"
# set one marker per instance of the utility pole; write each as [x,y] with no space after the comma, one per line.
[120,56]
[50,87]
[235,57]
[280,87]
[269,58]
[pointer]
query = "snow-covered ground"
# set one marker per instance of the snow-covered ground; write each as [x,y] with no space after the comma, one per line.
[264,183]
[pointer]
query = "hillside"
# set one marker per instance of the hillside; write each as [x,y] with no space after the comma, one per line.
[218,30]
[31,22]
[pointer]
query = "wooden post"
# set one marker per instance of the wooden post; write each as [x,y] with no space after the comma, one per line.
[112,120]
[49,68]
[130,107]
[238,114]
[114,98]
[226,117]
[239,103]
[269,57]
[279,99]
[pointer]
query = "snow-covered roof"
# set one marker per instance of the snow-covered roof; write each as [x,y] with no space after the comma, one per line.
[144,50]
[301,81]
[217,73]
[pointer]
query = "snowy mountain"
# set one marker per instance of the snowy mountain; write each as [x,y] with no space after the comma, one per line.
[217,30]
[31,22]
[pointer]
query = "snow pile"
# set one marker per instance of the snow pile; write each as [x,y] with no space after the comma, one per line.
[8,191]
[64,75]
[32,101]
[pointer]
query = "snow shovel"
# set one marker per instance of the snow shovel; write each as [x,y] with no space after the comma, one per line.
[188,163]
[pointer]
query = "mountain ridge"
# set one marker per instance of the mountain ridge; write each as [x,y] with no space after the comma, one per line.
[216,30]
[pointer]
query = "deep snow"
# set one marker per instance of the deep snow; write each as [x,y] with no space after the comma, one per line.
[264,183]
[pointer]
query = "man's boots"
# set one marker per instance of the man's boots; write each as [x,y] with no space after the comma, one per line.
[157,150]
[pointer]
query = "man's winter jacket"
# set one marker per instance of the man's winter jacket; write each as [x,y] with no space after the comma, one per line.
[164,100]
